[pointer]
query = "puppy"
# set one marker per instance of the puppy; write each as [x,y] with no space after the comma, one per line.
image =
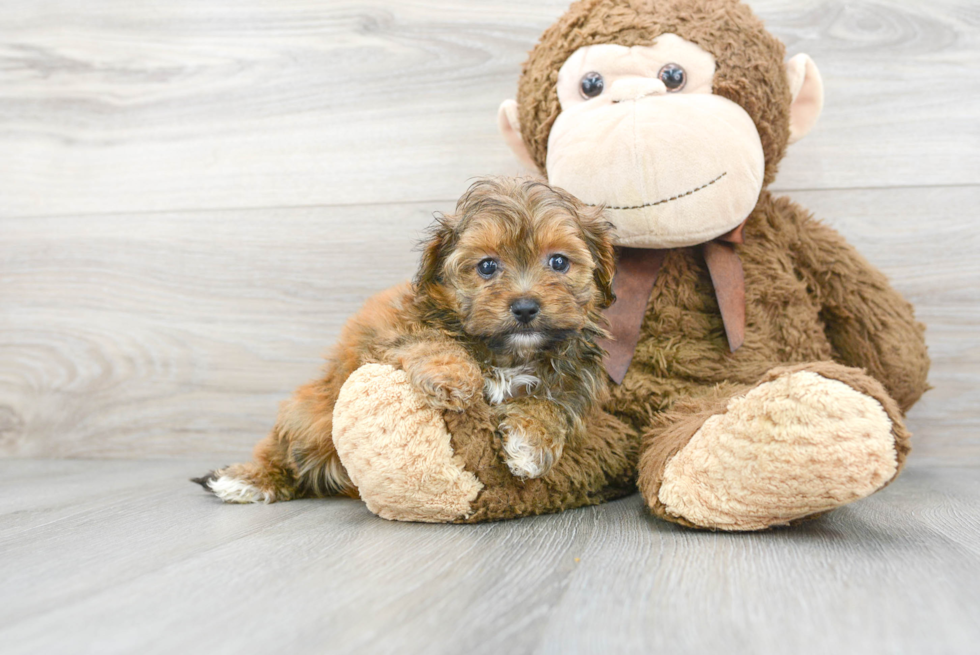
[506,303]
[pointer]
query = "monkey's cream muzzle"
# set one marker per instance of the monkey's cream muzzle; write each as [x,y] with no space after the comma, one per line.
[674,168]
[635,88]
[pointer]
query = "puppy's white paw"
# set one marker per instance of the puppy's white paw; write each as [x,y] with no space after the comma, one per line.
[525,458]
[233,490]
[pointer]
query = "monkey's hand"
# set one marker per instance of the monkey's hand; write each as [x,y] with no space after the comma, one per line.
[443,371]
[533,431]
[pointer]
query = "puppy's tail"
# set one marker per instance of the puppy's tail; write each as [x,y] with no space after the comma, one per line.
[243,483]
[206,480]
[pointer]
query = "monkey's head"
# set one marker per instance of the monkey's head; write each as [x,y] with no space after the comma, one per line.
[673,114]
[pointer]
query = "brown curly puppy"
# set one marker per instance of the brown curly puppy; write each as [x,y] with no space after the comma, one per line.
[506,302]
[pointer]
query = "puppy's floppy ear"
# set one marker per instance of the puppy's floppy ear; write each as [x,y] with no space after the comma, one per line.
[442,239]
[598,236]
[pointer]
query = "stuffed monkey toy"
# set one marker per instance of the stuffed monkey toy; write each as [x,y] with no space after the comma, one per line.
[760,368]
[675,115]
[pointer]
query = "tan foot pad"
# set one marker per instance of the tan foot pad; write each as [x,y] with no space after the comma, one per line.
[397,450]
[792,447]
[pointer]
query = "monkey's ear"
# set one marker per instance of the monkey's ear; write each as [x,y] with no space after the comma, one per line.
[806,88]
[510,128]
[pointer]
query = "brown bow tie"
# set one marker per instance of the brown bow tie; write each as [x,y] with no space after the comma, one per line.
[636,273]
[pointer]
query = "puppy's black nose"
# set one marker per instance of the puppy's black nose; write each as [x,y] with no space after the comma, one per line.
[525,309]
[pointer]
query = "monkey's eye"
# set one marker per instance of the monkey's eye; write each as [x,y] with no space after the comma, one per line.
[591,85]
[487,267]
[673,77]
[559,263]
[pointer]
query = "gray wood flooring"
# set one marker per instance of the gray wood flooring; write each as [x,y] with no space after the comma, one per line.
[128,557]
[195,194]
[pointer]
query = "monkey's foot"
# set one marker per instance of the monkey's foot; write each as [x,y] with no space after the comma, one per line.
[802,442]
[397,450]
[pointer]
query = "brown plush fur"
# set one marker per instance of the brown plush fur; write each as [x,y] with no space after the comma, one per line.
[810,297]
[811,300]
[453,328]
[597,466]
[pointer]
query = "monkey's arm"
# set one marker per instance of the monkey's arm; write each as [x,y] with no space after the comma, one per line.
[868,323]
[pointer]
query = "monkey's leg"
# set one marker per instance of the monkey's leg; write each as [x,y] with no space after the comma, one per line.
[413,462]
[296,459]
[804,440]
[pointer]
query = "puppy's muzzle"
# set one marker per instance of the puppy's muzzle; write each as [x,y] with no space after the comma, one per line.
[525,310]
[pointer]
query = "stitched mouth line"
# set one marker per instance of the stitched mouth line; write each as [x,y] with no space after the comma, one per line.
[666,200]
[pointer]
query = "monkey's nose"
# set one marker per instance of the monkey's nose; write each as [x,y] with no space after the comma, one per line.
[634,88]
[525,309]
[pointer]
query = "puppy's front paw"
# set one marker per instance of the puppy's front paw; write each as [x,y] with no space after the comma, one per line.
[447,382]
[528,451]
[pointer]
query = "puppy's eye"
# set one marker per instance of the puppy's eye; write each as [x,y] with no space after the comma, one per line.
[559,263]
[673,77]
[591,84]
[486,268]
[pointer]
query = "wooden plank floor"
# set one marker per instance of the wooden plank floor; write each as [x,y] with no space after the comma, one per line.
[128,557]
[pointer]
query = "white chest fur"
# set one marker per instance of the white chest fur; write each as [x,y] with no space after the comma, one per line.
[504,383]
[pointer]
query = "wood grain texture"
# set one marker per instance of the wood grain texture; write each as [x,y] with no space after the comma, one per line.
[124,557]
[173,334]
[159,334]
[126,107]
[194,197]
